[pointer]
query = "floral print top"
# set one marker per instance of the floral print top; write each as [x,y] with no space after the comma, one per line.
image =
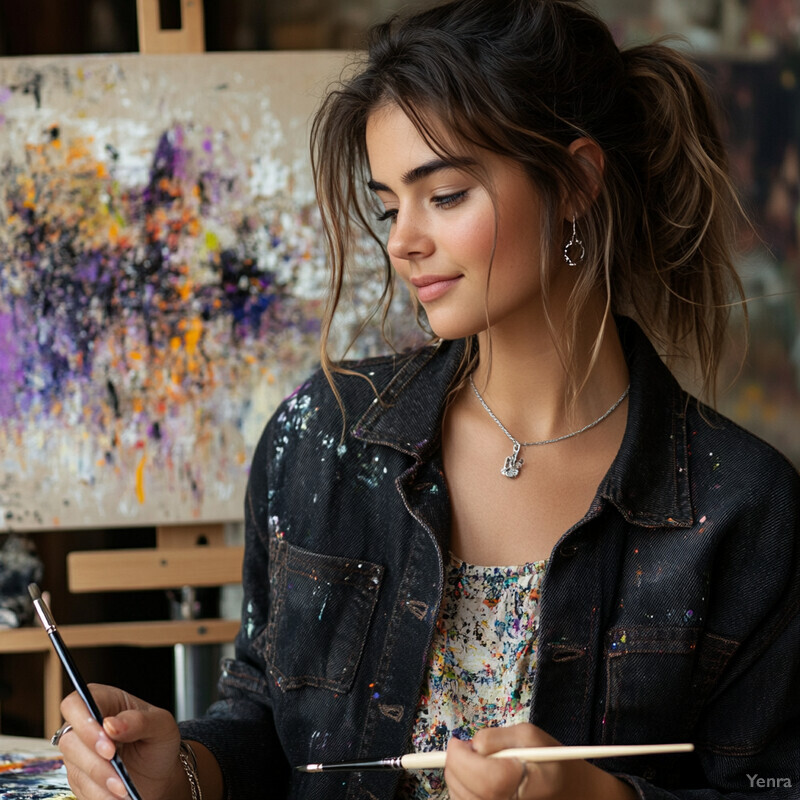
[482,661]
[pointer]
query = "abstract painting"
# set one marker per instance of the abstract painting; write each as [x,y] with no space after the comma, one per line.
[23,777]
[162,277]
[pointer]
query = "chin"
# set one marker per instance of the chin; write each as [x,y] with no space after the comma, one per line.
[453,329]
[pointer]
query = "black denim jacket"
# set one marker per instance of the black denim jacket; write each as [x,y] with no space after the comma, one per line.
[669,613]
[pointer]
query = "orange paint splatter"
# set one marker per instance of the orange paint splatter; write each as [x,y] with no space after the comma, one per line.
[140,479]
[192,336]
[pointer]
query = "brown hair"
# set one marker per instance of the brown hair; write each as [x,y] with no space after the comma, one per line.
[524,79]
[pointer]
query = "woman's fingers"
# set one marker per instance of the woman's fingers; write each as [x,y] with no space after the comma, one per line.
[491,740]
[146,738]
[83,787]
[470,775]
[144,724]
[87,748]
[86,758]
[110,701]
[88,772]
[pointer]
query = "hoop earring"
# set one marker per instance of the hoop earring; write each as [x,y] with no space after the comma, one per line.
[571,247]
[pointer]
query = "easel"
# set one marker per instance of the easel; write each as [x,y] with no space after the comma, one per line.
[185,556]
[190,38]
[177,546]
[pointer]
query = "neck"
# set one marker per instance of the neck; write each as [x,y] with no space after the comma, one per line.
[522,378]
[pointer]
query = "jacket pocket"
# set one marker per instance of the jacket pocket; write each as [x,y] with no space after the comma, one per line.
[649,683]
[319,617]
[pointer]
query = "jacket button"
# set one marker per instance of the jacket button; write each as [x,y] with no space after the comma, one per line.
[568,550]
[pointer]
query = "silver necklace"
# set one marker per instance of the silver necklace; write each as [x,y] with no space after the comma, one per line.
[513,463]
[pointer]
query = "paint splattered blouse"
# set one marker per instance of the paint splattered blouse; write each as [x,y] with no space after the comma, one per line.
[482,661]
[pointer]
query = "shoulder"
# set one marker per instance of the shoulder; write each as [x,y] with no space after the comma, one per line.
[746,496]
[721,447]
[358,384]
[313,412]
[746,499]
[721,456]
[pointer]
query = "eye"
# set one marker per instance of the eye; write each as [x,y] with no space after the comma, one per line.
[390,213]
[450,200]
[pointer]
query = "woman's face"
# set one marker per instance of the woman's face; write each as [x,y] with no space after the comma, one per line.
[445,227]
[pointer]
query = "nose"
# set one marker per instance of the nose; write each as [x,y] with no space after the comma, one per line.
[409,237]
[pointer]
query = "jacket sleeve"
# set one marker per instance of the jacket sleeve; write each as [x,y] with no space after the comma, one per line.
[748,734]
[239,728]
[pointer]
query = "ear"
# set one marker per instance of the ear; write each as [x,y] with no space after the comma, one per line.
[591,159]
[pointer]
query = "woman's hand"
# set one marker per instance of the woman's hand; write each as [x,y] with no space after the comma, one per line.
[146,737]
[470,775]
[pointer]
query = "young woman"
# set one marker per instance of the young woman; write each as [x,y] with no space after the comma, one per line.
[526,532]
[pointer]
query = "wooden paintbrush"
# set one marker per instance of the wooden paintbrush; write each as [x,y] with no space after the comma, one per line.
[436,760]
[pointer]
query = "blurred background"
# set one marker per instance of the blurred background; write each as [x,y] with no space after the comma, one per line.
[745,28]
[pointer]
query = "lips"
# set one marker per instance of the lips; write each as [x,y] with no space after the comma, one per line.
[432,287]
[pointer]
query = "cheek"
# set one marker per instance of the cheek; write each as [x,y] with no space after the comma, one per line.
[519,245]
[473,237]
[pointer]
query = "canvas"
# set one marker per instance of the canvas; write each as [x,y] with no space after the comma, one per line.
[162,275]
[24,776]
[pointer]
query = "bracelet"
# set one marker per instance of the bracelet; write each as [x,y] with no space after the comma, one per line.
[189,763]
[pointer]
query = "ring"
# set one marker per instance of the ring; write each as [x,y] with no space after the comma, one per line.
[59,733]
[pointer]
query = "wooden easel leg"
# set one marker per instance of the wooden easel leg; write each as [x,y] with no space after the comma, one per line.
[53,693]
[187,657]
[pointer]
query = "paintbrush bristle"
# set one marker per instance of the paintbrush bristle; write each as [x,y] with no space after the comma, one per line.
[34,591]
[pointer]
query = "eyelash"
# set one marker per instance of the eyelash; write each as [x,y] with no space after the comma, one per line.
[448,201]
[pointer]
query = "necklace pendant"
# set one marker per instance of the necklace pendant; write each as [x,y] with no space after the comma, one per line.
[513,464]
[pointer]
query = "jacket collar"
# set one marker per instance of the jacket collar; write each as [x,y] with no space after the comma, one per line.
[648,481]
[409,413]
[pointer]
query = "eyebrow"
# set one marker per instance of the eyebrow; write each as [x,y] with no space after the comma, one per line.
[423,171]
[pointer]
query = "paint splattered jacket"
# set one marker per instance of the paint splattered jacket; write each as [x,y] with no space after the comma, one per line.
[668,613]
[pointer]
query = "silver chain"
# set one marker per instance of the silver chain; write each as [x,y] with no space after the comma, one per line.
[513,463]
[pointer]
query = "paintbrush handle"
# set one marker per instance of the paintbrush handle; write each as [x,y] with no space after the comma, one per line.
[65,657]
[436,760]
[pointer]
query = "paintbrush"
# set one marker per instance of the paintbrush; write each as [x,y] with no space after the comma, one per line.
[436,759]
[49,625]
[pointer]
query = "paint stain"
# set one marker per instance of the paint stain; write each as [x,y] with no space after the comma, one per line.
[140,479]
[25,776]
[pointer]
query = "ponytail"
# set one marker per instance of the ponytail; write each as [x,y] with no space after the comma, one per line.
[679,281]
